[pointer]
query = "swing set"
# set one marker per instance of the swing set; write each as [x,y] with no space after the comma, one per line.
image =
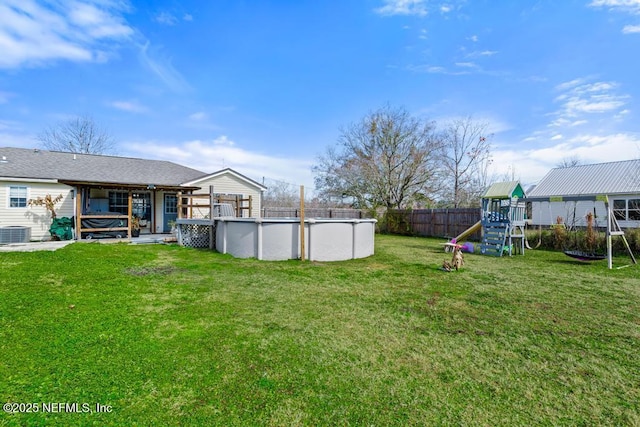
[613,228]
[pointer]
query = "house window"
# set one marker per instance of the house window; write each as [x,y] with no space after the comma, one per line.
[633,211]
[119,202]
[170,204]
[140,203]
[17,197]
[620,209]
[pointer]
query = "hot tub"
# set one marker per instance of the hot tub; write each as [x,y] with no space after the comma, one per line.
[279,238]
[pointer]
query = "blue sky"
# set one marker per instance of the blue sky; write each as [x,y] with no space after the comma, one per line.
[264,86]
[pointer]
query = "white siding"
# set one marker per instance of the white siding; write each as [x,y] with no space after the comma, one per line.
[230,184]
[36,217]
[545,213]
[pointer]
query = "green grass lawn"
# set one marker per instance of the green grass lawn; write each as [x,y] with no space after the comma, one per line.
[166,335]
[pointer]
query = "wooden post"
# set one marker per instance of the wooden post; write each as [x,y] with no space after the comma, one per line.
[251,206]
[152,226]
[79,213]
[179,204]
[302,223]
[130,208]
[211,243]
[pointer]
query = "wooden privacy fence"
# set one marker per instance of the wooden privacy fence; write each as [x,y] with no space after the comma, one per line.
[446,223]
[343,213]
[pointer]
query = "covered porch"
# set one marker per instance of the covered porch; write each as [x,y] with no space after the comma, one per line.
[107,210]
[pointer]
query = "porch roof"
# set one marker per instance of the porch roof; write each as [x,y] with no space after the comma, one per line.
[127,186]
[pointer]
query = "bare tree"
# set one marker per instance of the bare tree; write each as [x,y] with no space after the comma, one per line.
[281,194]
[80,134]
[385,159]
[569,162]
[466,155]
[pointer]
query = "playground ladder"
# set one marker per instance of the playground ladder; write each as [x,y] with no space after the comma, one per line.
[494,238]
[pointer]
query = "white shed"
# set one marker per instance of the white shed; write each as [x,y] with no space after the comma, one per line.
[619,181]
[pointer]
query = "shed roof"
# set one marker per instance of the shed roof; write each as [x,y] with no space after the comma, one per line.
[504,190]
[62,166]
[598,179]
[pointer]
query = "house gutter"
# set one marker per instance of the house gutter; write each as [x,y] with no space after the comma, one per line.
[42,180]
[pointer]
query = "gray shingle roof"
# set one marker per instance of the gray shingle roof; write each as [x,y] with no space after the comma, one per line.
[598,179]
[28,163]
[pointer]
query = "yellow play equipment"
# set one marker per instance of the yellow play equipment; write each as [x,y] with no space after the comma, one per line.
[448,247]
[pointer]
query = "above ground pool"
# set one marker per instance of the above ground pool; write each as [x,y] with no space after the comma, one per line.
[279,238]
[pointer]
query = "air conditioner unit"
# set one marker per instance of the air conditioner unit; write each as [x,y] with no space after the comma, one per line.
[15,234]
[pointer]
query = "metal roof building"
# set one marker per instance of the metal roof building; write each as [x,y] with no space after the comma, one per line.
[597,179]
[620,181]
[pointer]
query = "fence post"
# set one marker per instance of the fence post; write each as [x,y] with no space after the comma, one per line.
[446,224]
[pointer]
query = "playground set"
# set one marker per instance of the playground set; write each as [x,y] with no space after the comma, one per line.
[504,219]
[502,222]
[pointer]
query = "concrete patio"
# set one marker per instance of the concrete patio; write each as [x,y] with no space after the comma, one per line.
[55,245]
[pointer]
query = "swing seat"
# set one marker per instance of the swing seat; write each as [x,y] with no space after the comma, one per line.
[584,256]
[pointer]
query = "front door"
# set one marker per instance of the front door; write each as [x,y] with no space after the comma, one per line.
[170,211]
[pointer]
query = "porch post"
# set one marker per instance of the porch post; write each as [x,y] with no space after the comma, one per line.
[212,225]
[79,213]
[130,211]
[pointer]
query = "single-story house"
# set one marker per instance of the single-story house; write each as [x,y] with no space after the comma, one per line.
[91,183]
[619,181]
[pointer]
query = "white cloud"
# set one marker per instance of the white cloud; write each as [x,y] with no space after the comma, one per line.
[629,6]
[581,98]
[202,121]
[166,18]
[213,155]
[96,22]
[403,7]
[34,33]
[480,53]
[624,6]
[571,84]
[473,38]
[199,116]
[436,69]
[531,165]
[631,29]
[223,140]
[578,123]
[129,106]
[162,67]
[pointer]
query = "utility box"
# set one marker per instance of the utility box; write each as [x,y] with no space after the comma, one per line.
[14,234]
